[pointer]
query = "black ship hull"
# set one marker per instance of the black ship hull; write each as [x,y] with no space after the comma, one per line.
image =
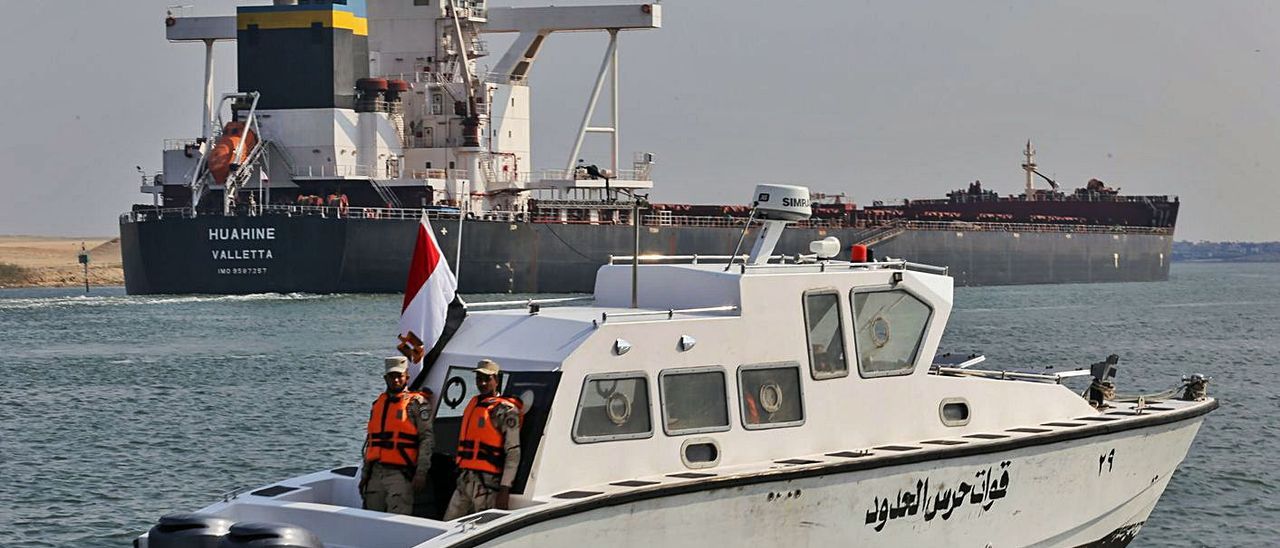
[315,254]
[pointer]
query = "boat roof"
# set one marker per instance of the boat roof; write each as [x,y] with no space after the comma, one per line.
[531,337]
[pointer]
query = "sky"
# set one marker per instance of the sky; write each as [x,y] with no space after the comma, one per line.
[880,100]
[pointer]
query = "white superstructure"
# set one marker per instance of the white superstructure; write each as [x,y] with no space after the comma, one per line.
[432,123]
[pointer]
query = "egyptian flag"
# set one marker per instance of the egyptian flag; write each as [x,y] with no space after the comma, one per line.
[431,311]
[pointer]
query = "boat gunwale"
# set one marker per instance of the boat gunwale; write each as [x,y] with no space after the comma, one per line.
[562,508]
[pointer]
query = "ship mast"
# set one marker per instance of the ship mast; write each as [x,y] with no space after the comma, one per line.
[1029,166]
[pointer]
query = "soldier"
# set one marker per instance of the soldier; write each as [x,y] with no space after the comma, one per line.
[397,449]
[488,448]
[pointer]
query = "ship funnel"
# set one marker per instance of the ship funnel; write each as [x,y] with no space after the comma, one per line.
[777,205]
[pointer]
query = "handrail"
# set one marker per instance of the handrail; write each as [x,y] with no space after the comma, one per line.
[694,221]
[178,143]
[1056,378]
[581,175]
[670,312]
[695,258]
[151,214]
[613,259]
[527,302]
[926,267]
[1034,227]
[334,212]
[824,266]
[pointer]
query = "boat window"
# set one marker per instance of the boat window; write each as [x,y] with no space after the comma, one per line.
[770,395]
[613,406]
[693,400]
[889,328]
[700,453]
[825,334]
[458,389]
[954,411]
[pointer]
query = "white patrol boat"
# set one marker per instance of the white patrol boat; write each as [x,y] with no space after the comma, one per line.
[758,401]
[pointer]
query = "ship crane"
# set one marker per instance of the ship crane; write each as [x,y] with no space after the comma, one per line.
[533,26]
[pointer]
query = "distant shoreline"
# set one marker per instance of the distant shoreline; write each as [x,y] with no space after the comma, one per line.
[53,261]
[1233,260]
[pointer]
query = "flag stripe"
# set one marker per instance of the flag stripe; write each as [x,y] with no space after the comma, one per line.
[453,320]
[426,255]
[431,310]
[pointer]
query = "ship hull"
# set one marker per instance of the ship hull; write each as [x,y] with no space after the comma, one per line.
[315,254]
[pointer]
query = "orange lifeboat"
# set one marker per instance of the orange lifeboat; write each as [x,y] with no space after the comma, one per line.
[223,155]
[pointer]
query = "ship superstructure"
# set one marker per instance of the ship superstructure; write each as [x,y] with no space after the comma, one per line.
[385,104]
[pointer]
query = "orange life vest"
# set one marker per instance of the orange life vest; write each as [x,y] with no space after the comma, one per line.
[753,409]
[393,434]
[480,444]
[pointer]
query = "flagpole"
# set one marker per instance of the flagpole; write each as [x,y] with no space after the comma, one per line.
[457,254]
[635,251]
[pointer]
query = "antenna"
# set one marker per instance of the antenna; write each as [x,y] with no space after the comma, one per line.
[635,251]
[733,257]
[1029,166]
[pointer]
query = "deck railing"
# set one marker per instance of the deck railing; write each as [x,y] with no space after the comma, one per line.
[576,175]
[329,171]
[961,226]
[178,143]
[648,220]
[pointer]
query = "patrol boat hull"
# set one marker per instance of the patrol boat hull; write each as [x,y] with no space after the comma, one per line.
[177,253]
[1071,483]
[1095,491]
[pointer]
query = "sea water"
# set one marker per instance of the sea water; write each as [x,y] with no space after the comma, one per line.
[115,410]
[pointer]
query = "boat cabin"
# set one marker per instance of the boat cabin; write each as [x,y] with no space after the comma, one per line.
[718,369]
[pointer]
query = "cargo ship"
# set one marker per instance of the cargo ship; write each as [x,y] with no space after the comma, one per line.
[353,119]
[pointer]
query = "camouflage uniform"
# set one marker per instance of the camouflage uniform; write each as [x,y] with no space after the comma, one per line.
[390,488]
[476,490]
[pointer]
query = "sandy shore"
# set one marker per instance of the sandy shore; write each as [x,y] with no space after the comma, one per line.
[40,261]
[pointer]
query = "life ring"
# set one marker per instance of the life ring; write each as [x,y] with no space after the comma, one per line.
[606,392]
[770,397]
[618,407]
[454,402]
[879,331]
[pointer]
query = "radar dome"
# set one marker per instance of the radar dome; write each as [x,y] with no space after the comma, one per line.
[782,202]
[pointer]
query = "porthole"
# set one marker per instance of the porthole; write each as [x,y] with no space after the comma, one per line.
[770,395]
[700,453]
[618,408]
[954,412]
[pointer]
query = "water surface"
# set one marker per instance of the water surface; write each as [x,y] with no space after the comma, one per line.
[115,410]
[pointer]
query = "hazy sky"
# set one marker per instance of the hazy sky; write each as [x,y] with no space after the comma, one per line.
[880,100]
